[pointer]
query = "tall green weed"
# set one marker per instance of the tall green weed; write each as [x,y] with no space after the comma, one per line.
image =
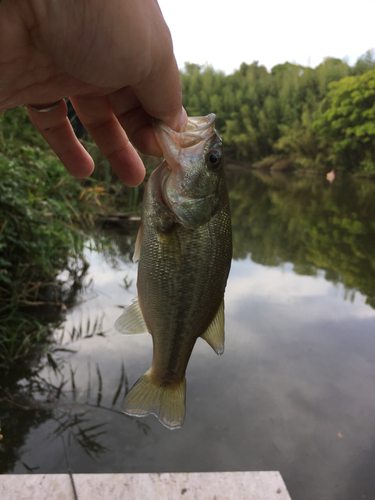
[43,214]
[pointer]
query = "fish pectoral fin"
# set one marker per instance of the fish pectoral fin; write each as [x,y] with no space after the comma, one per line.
[131,320]
[214,335]
[137,246]
[166,403]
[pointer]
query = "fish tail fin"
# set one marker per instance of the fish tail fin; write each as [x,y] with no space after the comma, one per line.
[167,403]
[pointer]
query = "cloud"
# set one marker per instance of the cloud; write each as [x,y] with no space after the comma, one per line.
[226,34]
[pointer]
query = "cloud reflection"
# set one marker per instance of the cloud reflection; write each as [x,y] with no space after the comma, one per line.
[250,282]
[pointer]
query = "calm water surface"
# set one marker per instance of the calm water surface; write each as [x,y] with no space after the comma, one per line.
[295,388]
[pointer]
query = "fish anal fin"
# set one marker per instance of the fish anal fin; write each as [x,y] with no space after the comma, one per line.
[137,246]
[214,335]
[131,320]
[148,397]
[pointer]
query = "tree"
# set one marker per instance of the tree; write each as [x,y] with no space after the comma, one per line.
[349,120]
[271,115]
[364,63]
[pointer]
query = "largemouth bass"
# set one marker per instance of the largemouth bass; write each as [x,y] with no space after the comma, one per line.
[184,246]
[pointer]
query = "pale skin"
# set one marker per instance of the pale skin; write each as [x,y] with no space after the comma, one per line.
[112,58]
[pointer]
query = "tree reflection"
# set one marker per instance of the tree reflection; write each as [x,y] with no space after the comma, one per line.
[308,222]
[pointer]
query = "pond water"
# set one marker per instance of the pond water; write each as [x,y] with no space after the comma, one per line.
[295,388]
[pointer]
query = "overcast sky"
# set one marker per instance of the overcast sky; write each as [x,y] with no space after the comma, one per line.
[227,33]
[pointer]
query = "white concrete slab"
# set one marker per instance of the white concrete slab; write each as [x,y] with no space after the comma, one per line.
[36,486]
[167,486]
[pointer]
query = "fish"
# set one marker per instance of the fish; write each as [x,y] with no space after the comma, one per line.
[184,248]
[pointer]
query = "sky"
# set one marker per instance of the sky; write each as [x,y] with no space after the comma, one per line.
[226,33]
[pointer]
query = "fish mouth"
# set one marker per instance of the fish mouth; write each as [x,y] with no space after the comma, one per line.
[197,129]
[189,141]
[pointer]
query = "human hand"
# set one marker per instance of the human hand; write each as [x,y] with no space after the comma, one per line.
[115,61]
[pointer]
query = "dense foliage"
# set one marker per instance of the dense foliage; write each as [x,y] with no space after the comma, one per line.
[44,213]
[350,120]
[277,115]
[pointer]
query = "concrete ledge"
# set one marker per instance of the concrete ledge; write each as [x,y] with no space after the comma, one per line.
[167,486]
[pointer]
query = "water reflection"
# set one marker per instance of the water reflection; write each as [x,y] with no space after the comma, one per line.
[64,394]
[293,390]
[309,223]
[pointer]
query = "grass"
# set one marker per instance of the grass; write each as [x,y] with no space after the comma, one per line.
[46,217]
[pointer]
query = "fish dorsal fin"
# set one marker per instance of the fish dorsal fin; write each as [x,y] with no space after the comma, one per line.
[131,320]
[137,246]
[214,335]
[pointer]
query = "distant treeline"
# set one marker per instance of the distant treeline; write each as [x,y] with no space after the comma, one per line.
[292,115]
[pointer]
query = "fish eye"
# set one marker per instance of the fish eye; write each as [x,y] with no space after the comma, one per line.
[213,159]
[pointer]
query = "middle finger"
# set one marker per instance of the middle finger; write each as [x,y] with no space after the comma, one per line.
[97,116]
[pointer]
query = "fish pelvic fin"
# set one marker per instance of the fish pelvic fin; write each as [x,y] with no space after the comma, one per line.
[131,320]
[147,397]
[214,335]
[137,246]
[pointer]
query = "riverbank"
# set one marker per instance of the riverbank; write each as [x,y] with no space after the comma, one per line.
[47,219]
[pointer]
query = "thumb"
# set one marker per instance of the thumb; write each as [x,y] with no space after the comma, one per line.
[160,96]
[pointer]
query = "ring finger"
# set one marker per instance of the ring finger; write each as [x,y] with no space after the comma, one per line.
[56,129]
